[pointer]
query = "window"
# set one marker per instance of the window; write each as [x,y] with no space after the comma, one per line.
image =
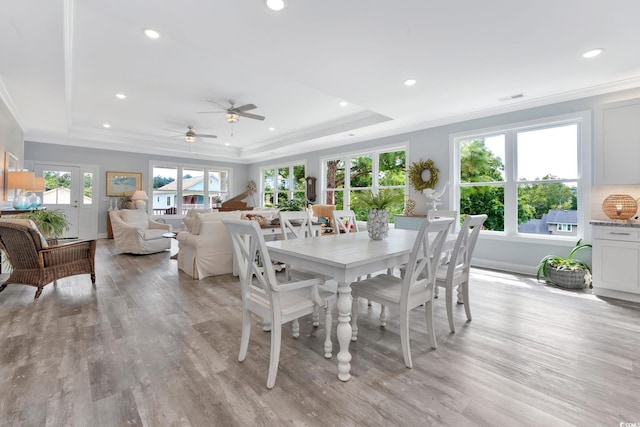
[348,176]
[282,183]
[526,178]
[177,188]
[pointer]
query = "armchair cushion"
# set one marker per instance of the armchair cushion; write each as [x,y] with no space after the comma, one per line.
[190,218]
[135,217]
[32,225]
[211,217]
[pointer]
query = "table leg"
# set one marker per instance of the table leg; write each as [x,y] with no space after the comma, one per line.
[344,331]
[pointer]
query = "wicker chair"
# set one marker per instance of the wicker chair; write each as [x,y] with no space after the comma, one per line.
[37,265]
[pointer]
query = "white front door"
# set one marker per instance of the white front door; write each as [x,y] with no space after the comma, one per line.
[70,189]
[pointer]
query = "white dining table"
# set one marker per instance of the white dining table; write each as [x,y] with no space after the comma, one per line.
[345,257]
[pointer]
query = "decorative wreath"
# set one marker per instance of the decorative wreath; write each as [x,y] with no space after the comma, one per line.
[415,175]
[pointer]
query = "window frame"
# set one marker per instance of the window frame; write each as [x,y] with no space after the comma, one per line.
[291,190]
[207,169]
[375,171]
[582,119]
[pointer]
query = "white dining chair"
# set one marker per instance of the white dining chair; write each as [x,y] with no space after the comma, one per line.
[344,221]
[455,273]
[439,213]
[266,297]
[412,290]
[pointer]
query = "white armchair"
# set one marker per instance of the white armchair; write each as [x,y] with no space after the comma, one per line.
[206,249]
[135,233]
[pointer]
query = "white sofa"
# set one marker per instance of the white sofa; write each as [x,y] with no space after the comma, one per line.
[205,248]
[135,233]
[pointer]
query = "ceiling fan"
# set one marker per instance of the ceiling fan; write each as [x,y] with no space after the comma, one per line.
[233,113]
[191,134]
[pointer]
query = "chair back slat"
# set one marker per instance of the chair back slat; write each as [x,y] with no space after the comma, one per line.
[295,224]
[466,242]
[425,255]
[344,221]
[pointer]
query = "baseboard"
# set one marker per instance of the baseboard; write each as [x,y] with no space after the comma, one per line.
[504,266]
[610,293]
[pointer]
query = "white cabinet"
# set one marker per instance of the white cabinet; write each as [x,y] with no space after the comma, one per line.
[617,143]
[616,262]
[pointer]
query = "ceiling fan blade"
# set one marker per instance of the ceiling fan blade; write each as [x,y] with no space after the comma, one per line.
[251,116]
[242,108]
[218,104]
[176,131]
[204,135]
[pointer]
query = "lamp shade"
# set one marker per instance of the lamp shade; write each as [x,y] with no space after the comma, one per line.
[20,180]
[140,195]
[620,206]
[38,185]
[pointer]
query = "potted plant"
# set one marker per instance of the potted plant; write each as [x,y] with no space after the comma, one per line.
[566,272]
[217,201]
[290,205]
[378,204]
[51,223]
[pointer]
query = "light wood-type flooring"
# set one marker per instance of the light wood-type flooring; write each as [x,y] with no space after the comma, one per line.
[149,346]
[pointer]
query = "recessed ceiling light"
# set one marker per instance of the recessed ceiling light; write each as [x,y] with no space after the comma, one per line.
[410,82]
[227,144]
[106,125]
[272,128]
[592,53]
[275,4]
[121,96]
[152,34]
[343,103]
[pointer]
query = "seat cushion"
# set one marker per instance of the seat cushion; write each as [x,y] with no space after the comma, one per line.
[154,233]
[135,217]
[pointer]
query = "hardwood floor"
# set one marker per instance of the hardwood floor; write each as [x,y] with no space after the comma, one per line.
[149,346]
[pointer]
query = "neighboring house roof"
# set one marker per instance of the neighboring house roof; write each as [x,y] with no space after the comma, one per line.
[60,196]
[562,217]
[541,226]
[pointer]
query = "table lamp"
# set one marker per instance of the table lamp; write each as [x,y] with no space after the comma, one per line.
[620,206]
[38,187]
[139,198]
[19,181]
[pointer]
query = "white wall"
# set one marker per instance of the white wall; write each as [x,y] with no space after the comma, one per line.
[12,141]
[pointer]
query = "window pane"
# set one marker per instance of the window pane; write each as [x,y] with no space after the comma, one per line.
[335,173]
[87,188]
[215,188]
[361,172]
[299,182]
[268,180]
[544,207]
[392,168]
[548,153]
[487,199]
[335,198]
[165,189]
[482,159]
[283,179]
[192,188]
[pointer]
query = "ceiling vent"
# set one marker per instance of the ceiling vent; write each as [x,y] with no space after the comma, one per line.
[511,97]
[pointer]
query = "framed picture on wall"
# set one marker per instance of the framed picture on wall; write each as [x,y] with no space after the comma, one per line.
[119,183]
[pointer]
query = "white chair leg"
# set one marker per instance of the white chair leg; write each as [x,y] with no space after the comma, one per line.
[274,358]
[428,312]
[465,295]
[449,304]
[246,333]
[404,339]
[328,346]
[383,315]
[295,327]
[354,318]
[316,316]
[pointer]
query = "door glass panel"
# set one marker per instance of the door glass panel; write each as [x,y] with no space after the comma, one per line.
[57,186]
[87,189]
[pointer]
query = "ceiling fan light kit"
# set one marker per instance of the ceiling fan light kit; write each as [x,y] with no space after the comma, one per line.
[232,117]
